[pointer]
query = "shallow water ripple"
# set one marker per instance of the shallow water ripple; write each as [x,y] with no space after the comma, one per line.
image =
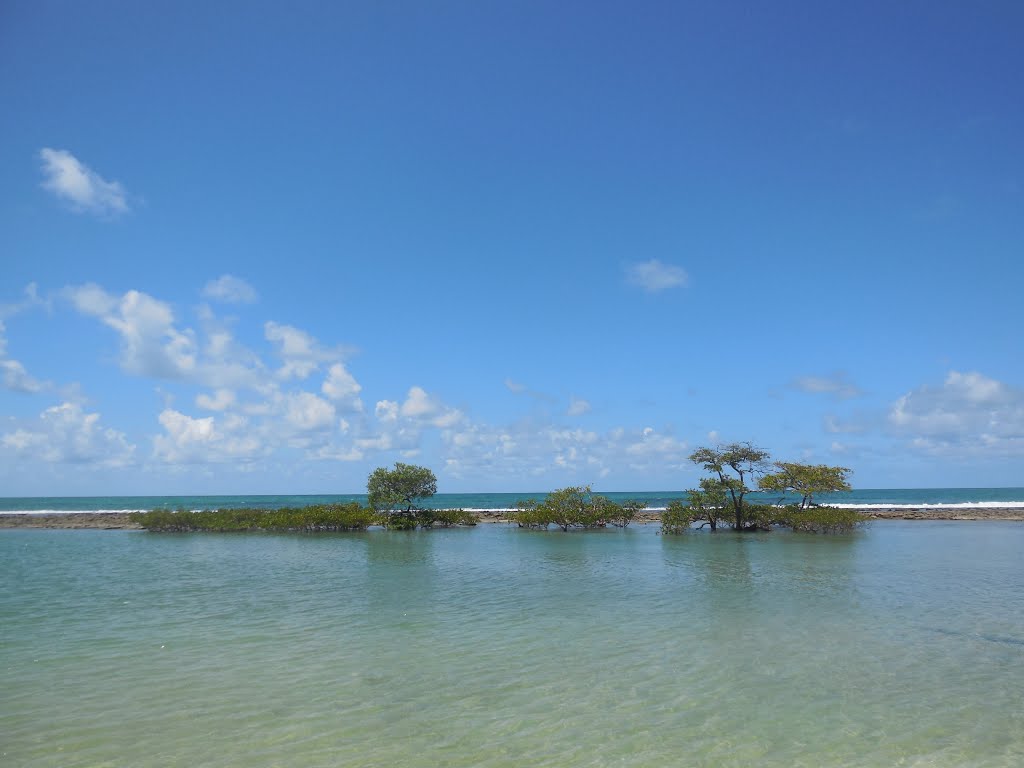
[500,647]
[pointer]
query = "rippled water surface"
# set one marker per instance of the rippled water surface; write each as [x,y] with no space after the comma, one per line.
[899,645]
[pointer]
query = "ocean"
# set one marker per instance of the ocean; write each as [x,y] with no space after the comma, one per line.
[862,498]
[900,644]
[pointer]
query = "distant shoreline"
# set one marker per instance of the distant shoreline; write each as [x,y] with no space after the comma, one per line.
[121,521]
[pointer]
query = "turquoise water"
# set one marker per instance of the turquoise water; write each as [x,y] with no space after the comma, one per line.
[864,497]
[899,645]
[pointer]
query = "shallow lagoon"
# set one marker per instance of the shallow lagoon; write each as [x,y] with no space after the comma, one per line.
[899,645]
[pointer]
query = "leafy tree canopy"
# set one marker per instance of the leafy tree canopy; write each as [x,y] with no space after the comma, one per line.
[733,465]
[401,488]
[805,480]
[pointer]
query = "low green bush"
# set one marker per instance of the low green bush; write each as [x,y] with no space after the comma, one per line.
[572,508]
[761,517]
[447,518]
[399,522]
[677,518]
[530,514]
[318,517]
[821,519]
[426,518]
[621,515]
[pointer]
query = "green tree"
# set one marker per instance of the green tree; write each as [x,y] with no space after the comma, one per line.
[805,480]
[571,508]
[710,503]
[733,465]
[398,491]
[676,518]
[619,515]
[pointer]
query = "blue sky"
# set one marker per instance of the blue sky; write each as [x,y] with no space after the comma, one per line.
[256,248]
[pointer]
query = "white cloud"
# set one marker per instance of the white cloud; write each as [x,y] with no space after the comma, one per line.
[514,386]
[332,453]
[247,416]
[531,450]
[307,413]
[302,354]
[65,433]
[651,444]
[381,442]
[418,404]
[76,183]
[231,290]
[425,409]
[969,413]
[578,406]
[91,299]
[342,387]
[386,410]
[16,378]
[151,345]
[12,373]
[838,385]
[187,440]
[654,276]
[221,400]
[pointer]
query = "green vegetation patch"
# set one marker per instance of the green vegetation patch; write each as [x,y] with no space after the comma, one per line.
[318,517]
[573,508]
[821,519]
[312,519]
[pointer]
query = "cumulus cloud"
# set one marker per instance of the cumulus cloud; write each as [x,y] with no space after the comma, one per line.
[80,186]
[837,385]
[154,345]
[230,290]
[386,410]
[397,426]
[65,433]
[220,400]
[12,372]
[245,415]
[654,276]
[425,409]
[968,413]
[334,453]
[188,440]
[651,443]
[528,449]
[254,417]
[151,345]
[342,387]
[306,412]
[16,378]
[300,352]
